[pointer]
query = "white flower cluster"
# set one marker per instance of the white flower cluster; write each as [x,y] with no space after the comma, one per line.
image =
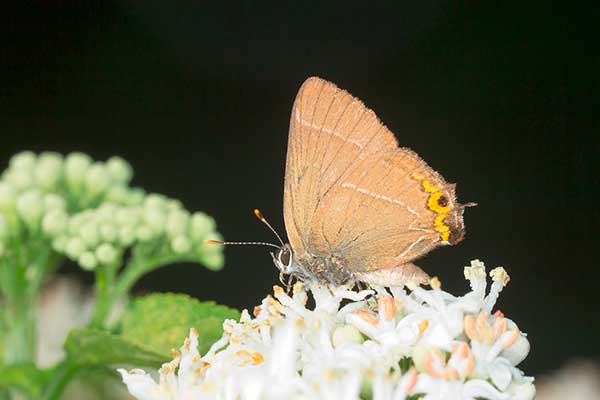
[100,235]
[87,211]
[397,343]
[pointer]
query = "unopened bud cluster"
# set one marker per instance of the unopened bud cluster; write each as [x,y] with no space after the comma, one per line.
[87,211]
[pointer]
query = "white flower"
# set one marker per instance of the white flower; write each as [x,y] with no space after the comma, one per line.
[351,344]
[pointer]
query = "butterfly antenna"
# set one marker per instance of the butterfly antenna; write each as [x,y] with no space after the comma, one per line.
[264,221]
[220,243]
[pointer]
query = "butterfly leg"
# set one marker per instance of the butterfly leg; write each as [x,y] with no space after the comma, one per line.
[288,286]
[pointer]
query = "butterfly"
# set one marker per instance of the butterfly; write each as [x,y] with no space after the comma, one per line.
[356,206]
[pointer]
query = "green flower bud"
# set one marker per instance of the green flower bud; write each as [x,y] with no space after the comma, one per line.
[155,219]
[108,233]
[55,222]
[118,194]
[135,197]
[48,169]
[59,244]
[53,201]
[173,205]
[181,244]
[155,200]
[20,179]
[97,178]
[127,235]
[89,233]
[201,225]
[25,160]
[8,196]
[127,216]
[88,261]
[144,233]
[76,221]
[106,213]
[213,261]
[74,248]
[106,253]
[177,223]
[119,169]
[346,334]
[30,207]
[76,168]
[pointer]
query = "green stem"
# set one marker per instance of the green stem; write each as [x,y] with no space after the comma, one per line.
[104,299]
[19,339]
[109,289]
[138,267]
[19,314]
[63,374]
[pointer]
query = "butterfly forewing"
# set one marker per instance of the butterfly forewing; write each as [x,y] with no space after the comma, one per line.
[330,130]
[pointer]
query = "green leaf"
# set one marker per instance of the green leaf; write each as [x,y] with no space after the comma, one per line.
[405,364]
[26,378]
[90,347]
[162,321]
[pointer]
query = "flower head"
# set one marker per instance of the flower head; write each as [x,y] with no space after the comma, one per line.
[376,343]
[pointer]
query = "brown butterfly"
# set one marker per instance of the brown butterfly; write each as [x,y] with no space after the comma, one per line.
[356,206]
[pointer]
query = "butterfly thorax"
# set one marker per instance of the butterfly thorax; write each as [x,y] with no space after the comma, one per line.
[328,269]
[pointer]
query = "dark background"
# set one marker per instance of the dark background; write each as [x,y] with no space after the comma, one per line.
[501,99]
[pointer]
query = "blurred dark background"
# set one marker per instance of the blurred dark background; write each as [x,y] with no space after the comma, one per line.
[502,99]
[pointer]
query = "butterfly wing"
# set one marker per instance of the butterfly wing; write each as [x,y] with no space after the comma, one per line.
[386,210]
[330,131]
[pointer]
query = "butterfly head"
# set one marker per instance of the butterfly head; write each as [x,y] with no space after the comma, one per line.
[284,259]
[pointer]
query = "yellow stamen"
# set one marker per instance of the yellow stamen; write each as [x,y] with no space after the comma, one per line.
[257,358]
[278,290]
[500,274]
[423,326]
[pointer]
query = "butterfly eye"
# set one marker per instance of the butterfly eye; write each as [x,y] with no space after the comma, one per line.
[285,256]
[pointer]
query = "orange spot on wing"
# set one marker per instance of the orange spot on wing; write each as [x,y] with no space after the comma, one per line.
[429,187]
[433,204]
[438,222]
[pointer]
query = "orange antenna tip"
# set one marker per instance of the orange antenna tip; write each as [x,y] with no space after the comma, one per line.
[210,241]
[258,214]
